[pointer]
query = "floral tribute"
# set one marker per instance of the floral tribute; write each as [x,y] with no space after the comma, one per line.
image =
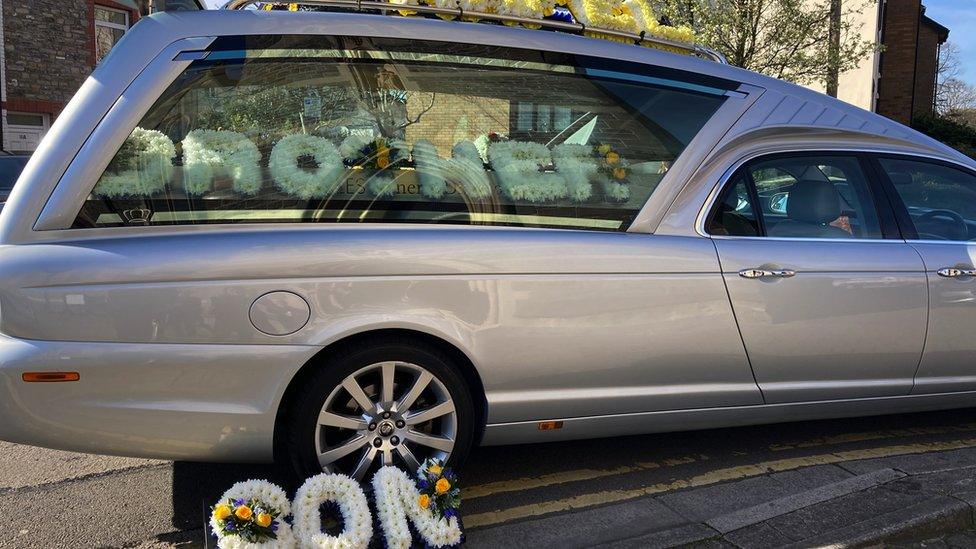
[142,167]
[348,496]
[209,153]
[439,489]
[398,499]
[250,516]
[306,166]
[379,157]
[634,16]
[614,173]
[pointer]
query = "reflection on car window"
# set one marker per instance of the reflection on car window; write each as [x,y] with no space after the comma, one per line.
[355,131]
[941,201]
[807,197]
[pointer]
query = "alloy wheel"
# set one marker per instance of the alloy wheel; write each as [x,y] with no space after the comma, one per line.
[387,413]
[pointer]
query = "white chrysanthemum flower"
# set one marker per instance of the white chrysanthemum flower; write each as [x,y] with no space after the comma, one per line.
[351,500]
[352,145]
[147,172]
[397,500]
[272,496]
[297,181]
[207,151]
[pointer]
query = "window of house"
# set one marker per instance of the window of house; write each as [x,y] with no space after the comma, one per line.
[110,25]
[358,131]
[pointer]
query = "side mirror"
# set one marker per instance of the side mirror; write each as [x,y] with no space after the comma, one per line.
[777,203]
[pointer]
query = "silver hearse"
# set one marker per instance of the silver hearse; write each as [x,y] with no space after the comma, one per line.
[347,239]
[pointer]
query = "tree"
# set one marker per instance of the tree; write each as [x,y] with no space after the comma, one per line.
[952,94]
[787,39]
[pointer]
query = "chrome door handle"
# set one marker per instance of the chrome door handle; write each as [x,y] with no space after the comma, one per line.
[952,272]
[767,273]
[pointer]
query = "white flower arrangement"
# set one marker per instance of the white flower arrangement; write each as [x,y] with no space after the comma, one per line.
[205,152]
[615,190]
[246,494]
[351,500]
[397,499]
[518,168]
[301,183]
[575,162]
[430,169]
[145,166]
[352,145]
[467,170]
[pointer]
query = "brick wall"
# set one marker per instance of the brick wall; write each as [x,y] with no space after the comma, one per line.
[929,37]
[896,88]
[909,61]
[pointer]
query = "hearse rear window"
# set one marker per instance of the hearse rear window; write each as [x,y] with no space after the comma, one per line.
[359,131]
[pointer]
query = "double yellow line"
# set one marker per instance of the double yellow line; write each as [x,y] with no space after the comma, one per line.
[712,477]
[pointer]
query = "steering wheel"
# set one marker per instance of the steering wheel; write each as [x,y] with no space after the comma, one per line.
[957,227]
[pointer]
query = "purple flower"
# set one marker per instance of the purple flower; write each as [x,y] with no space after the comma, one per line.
[422,484]
[229,526]
[238,502]
[448,513]
[274,526]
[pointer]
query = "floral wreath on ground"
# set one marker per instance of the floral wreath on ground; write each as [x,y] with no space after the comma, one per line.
[207,151]
[351,501]
[306,166]
[250,515]
[142,167]
[433,510]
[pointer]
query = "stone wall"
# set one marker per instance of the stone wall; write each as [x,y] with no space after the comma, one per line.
[47,46]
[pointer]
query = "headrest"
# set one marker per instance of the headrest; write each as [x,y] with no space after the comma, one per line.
[813,201]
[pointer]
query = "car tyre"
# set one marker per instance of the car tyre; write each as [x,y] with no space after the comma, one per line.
[328,418]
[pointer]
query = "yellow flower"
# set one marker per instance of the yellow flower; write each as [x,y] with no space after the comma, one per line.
[243,512]
[424,500]
[612,157]
[603,149]
[619,173]
[263,520]
[442,486]
[221,511]
[435,469]
[382,161]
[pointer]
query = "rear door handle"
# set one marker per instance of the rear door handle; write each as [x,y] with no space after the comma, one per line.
[953,272]
[767,273]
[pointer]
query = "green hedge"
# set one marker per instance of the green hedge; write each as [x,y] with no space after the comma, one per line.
[961,137]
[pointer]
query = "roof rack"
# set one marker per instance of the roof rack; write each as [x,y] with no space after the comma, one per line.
[576,28]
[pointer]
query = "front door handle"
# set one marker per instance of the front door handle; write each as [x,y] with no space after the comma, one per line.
[767,273]
[953,272]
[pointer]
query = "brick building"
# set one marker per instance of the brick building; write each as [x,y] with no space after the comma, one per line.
[47,49]
[898,81]
[909,63]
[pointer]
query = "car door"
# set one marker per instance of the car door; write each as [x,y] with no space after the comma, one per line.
[936,204]
[828,307]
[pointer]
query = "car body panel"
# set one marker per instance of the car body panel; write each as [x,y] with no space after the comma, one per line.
[947,364]
[615,333]
[851,322]
[535,310]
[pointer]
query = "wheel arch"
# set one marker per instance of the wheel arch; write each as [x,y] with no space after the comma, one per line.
[464,363]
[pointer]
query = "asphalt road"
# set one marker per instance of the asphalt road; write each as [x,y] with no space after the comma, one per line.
[60,499]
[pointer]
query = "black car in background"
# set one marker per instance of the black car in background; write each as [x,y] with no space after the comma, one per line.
[10,167]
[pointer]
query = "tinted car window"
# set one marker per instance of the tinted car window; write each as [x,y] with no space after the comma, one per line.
[357,132]
[941,201]
[10,168]
[808,196]
[736,212]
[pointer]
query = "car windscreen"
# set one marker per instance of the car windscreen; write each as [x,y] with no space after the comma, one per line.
[357,130]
